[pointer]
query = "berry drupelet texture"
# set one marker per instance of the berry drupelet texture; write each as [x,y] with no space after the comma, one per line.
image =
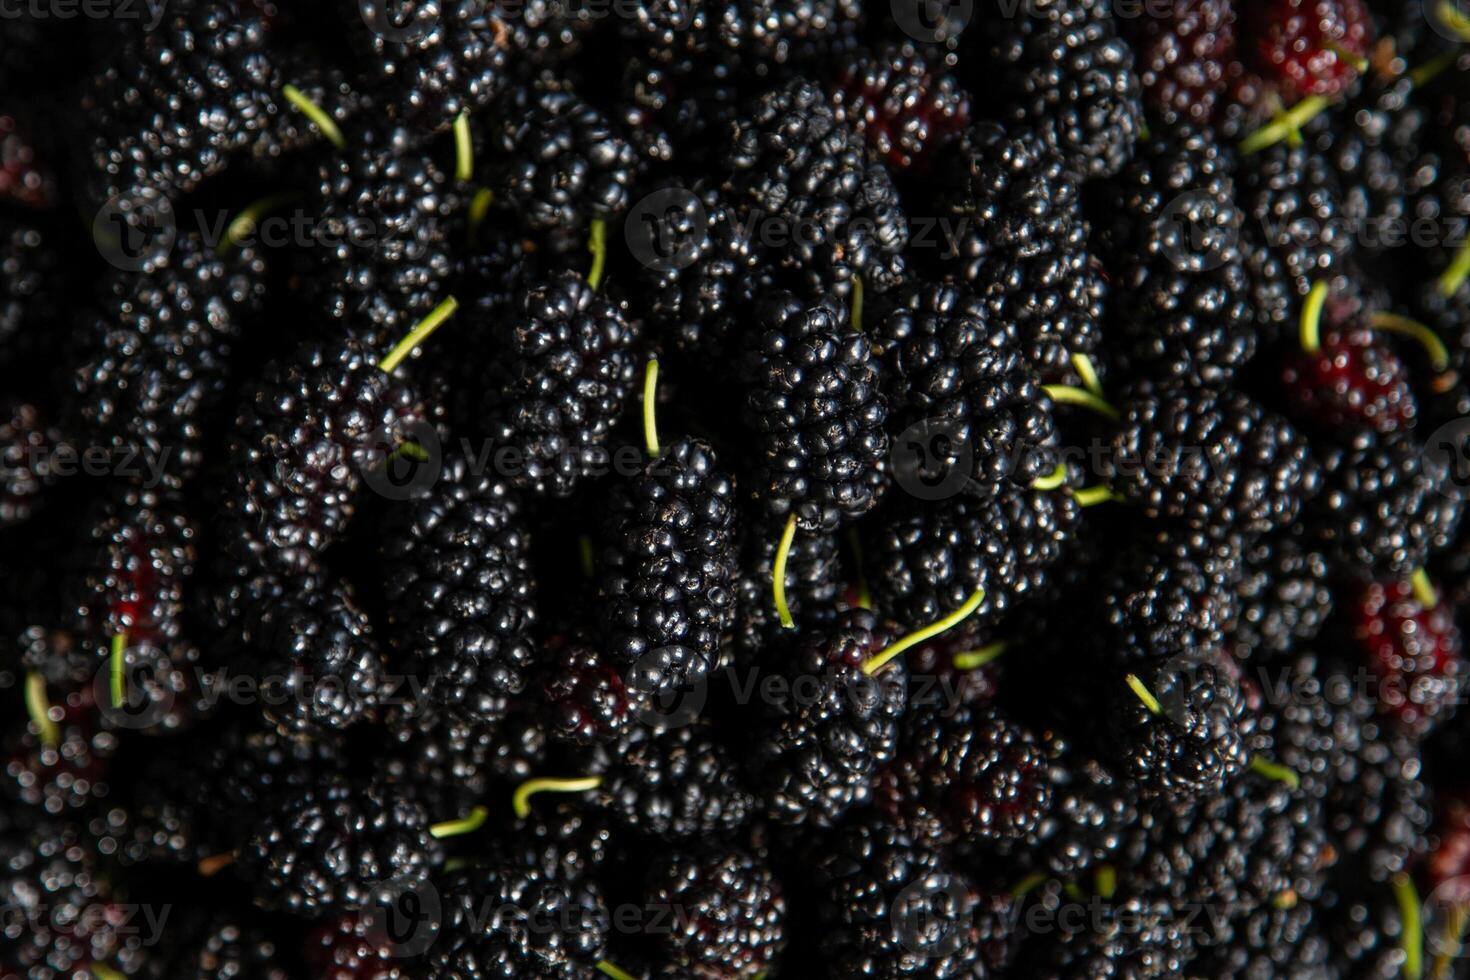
[381,250]
[1016,236]
[667,575]
[733,912]
[566,372]
[904,108]
[1064,70]
[557,159]
[315,423]
[330,845]
[813,400]
[460,592]
[150,369]
[1212,459]
[1382,512]
[957,375]
[817,750]
[799,167]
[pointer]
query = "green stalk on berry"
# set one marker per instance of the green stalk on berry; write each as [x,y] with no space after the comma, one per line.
[881,659]
[1412,940]
[38,707]
[117,660]
[316,114]
[464,148]
[520,801]
[1070,395]
[778,573]
[418,334]
[467,824]
[650,409]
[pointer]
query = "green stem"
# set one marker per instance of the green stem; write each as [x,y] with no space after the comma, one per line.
[1451,942]
[584,544]
[1027,884]
[118,659]
[316,114]
[1439,355]
[38,706]
[418,334]
[1068,395]
[778,573]
[479,207]
[650,409]
[468,823]
[597,245]
[975,659]
[1451,278]
[1284,125]
[857,303]
[1309,331]
[1106,880]
[1413,927]
[104,972]
[881,660]
[464,148]
[1144,694]
[1450,16]
[1431,69]
[246,221]
[1276,771]
[1082,364]
[1356,62]
[1424,589]
[614,971]
[520,801]
[1052,480]
[1100,494]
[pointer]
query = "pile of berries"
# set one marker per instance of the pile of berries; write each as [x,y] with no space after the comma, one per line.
[719,490]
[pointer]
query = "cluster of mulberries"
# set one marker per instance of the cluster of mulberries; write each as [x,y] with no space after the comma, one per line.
[733,489]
